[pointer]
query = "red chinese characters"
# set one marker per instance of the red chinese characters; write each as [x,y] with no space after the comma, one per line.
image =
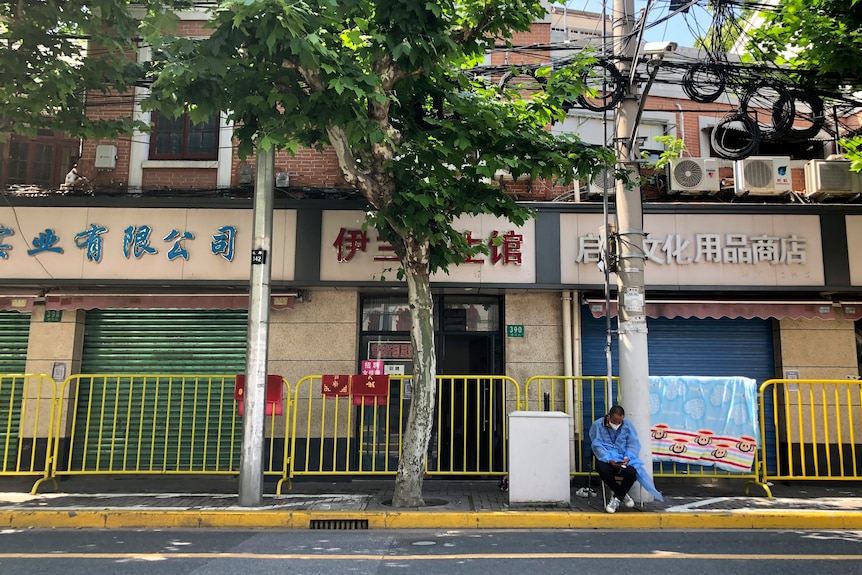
[503,248]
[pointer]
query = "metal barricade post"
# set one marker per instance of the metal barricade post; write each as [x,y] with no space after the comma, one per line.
[27,412]
[812,429]
[166,424]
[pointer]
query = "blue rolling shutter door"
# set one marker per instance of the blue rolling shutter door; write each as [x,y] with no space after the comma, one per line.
[706,347]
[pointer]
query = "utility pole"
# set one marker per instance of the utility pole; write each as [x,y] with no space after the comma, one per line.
[631,312]
[254,416]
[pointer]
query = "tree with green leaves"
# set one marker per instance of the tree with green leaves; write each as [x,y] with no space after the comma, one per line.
[392,86]
[59,60]
[819,39]
[822,38]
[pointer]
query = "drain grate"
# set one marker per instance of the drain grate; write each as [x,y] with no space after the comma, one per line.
[338,524]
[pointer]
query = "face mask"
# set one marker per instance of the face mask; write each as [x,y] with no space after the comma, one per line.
[614,426]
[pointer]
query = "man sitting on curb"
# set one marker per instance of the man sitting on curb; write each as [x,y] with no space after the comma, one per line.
[616,447]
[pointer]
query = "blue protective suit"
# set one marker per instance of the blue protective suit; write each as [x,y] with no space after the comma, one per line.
[608,444]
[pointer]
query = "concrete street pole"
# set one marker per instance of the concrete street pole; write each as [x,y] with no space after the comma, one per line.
[632,328]
[254,417]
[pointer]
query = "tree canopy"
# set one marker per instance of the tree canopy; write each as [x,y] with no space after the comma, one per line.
[392,86]
[822,38]
[395,87]
[61,60]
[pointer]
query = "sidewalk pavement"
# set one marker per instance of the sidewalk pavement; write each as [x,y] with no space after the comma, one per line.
[343,503]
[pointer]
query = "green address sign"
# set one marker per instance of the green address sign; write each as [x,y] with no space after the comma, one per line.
[515,330]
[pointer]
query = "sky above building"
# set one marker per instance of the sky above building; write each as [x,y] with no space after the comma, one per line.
[681,28]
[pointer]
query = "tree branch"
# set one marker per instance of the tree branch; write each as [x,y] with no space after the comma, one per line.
[469,34]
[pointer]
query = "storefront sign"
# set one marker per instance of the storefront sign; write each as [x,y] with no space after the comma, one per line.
[713,249]
[739,249]
[854,248]
[350,251]
[138,243]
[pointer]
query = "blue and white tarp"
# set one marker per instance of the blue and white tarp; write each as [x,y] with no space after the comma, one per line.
[704,421]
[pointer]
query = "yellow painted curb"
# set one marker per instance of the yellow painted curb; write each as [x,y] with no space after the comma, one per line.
[274,519]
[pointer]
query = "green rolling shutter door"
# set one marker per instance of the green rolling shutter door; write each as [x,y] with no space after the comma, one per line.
[14,335]
[165,341]
[159,342]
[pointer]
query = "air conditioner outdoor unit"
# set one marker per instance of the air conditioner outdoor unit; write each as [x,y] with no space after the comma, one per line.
[694,175]
[831,178]
[762,176]
[603,182]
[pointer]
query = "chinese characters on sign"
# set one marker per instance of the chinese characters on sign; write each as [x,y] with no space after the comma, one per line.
[4,247]
[709,248]
[136,242]
[390,350]
[504,247]
[372,367]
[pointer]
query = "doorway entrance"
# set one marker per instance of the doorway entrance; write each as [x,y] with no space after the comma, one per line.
[469,432]
[471,408]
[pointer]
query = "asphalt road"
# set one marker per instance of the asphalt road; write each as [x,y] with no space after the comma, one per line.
[471,552]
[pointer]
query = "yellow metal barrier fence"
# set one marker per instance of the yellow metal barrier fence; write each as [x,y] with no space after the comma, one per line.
[158,424]
[188,424]
[332,435]
[817,429]
[27,411]
[585,398]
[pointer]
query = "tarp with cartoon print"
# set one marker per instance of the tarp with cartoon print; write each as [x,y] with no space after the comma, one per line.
[704,420]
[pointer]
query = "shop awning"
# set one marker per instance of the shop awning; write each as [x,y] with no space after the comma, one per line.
[748,309]
[161,301]
[14,302]
[852,309]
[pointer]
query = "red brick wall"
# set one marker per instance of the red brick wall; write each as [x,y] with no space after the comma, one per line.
[308,168]
[185,179]
[540,33]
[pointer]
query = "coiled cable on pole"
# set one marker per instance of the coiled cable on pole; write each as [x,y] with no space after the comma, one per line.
[525,74]
[774,95]
[605,87]
[736,136]
[815,117]
[704,82]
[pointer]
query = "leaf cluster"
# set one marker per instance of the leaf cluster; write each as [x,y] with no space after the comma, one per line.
[60,60]
[387,83]
[820,37]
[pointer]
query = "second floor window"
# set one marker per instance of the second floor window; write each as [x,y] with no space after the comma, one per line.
[180,139]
